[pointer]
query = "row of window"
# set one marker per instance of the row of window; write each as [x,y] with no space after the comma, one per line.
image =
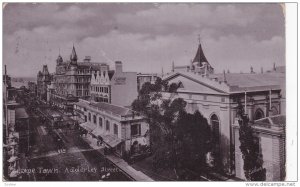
[135,128]
[83,79]
[80,93]
[85,86]
[205,98]
[85,71]
[100,123]
[99,89]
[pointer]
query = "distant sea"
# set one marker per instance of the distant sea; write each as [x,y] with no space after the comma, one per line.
[17,82]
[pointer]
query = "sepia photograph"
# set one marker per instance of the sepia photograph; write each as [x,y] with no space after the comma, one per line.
[144,92]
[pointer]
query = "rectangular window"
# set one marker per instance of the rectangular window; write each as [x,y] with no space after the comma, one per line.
[115,129]
[135,130]
[100,122]
[222,99]
[85,118]
[89,116]
[107,125]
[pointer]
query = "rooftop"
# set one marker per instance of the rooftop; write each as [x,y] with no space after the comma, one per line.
[238,82]
[119,110]
[272,121]
[242,81]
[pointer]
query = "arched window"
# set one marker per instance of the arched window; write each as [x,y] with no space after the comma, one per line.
[107,125]
[89,116]
[215,126]
[259,114]
[100,122]
[274,111]
[94,119]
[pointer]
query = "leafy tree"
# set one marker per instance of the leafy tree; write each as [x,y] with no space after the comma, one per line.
[179,140]
[253,164]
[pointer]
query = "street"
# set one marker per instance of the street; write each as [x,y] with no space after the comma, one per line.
[61,154]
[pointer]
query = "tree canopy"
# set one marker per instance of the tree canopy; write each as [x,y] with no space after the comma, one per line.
[179,140]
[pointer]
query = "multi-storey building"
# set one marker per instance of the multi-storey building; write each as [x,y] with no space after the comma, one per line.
[121,129]
[43,80]
[115,87]
[72,80]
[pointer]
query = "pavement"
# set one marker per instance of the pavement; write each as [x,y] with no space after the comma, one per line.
[120,163]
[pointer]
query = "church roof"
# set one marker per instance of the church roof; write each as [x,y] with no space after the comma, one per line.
[200,57]
[248,81]
[237,82]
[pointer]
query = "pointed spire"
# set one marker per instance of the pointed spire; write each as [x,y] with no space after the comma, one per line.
[274,66]
[200,57]
[162,71]
[73,56]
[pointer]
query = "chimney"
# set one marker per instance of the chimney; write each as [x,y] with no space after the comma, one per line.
[119,68]
[274,66]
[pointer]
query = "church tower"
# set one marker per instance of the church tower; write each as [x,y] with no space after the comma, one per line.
[200,63]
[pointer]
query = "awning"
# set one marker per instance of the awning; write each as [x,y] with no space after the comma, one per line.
[87,126]
[111,140]
[97,132]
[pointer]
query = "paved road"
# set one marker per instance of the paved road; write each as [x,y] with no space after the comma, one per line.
[79,162]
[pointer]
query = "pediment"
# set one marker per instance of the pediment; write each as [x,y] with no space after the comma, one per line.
[198,84]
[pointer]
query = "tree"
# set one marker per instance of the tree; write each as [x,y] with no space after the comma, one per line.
[253,164]
[179,140]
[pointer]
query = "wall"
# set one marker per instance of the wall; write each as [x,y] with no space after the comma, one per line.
[124,88]
[272,149]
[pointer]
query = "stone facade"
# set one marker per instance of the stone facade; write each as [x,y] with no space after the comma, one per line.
[72,80]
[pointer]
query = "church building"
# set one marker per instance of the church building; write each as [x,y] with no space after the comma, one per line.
[216,96]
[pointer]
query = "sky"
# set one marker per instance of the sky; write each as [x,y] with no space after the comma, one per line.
[146,37]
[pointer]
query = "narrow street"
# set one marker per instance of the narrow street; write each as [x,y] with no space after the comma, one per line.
[61,154]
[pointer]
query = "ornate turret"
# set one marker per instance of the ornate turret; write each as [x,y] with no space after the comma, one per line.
[73,56]
[59,60]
